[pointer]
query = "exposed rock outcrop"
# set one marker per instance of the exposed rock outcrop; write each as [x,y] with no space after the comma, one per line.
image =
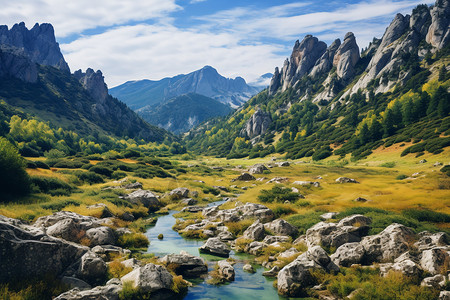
[257,124]
[325,62]
[346,57]
[185,264]
[438,33]
[144,197]
[226,270]
[38,43]
[150,278]
[15,63]
[94,83]
[215,246]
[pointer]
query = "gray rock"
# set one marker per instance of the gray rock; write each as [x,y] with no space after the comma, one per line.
[435,260]
[288,253]
[15,63]
[144,197]
[109,292]
[127,216]
[180,193]
[346,57]
[257,124]
[346,180]
[132,263]
[67,229]
[407,267]
[246,211]
[149,278]
[428,240]
[226,270]
[73,282]
[255,231]
[389,244]
[244,177]
[272,272]
[216,247]
[257,169]
[255,248]
[278,180]
[307,183]
[281,227]
[132,186]
[92,268]
[329,215]
[106,213]
[438,33]
[348,254]
[270,239]
[27,252]
[354,220]
[437,281]
[38,44]
[106,252]
[185,264]
[193,209]
[101,236]
[444,295]
[325,62]
[248,268]
[189,201]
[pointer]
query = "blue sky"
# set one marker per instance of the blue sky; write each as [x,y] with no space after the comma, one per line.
[132,40]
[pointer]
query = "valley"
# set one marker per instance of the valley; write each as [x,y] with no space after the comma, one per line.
[332,182]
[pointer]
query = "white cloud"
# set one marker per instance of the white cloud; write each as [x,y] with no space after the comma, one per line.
[156,51]
[196,1]
[69,17]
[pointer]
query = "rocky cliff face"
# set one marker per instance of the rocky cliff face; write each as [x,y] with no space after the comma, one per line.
[426,30]
[38,43]
[94,83]
[257,124]
[14,63]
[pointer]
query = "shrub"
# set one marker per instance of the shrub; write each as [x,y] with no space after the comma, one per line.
[282,210]
[51,185]
[102,170]
[14,180]
[238,228]
[133,240]
[424,215]
[278,194]
[89,177]
[57,206]
[304,221]
[118,175]
[390,164]
[116,269]
[446,170]
[401,177]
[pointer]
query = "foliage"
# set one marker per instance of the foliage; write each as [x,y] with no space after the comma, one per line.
[14,180]
[277,194]
[133,240]
[51,185]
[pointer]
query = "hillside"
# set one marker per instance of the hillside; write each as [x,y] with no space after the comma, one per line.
[181,113]
[141,94]
[36,80]
[336,100]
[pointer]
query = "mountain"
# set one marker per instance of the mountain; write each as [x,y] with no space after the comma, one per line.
[206,81]
[334,99]
[263,81]
[36,80]
[181,113]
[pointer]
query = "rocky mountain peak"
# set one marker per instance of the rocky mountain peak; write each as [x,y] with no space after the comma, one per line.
[94,83]
[15,63]
[438,33]
[346,57]
[325,62]
[257,124]
[39,43]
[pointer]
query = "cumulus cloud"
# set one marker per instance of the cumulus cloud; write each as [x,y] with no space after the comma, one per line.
[156,51]
[72,17]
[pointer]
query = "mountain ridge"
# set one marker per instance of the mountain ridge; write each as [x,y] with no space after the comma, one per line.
[205,81]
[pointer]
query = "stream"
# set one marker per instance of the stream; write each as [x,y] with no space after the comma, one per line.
[246,285]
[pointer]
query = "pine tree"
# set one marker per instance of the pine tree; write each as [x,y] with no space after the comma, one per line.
[389,123]
[441,93]
[442,73]
[364,135]
[408,112]
[376,131]
[422,104]
[443,103]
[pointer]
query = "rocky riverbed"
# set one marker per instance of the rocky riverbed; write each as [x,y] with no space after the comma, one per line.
[56,245]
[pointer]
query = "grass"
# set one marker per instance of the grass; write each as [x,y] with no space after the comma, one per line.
[133,241]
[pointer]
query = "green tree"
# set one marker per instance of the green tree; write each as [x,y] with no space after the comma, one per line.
[443,104]
[442,73]
[389,123]
[364,135]
[375,131]
[14,180]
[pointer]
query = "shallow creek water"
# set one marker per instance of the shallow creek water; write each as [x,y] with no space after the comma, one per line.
[246,285]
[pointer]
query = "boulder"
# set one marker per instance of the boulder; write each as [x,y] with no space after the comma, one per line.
[216,247]
[132,186]
[283,164]
[185,264]
[226,270]
[272,272]
[106,252]
[255,231]
[132,263]
[436,282]
[346,180]
[84,222]
[444,295]
[255,248]
[281,227]
[429,240]
[355,220]
[67,229]
[189,201]
[288,253]
[247,211]
[389,244]
[109,291]
[348,254]
[329,215]
[278,180]
[73,282]
[270,239]
[244,177]
[407,267]
[179,193]
[92,268]
[101,236]
[149,278]
[248,268]
[144,197]
[28,252]
[435,260]
[307,183]
[296,276]
[257,169]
